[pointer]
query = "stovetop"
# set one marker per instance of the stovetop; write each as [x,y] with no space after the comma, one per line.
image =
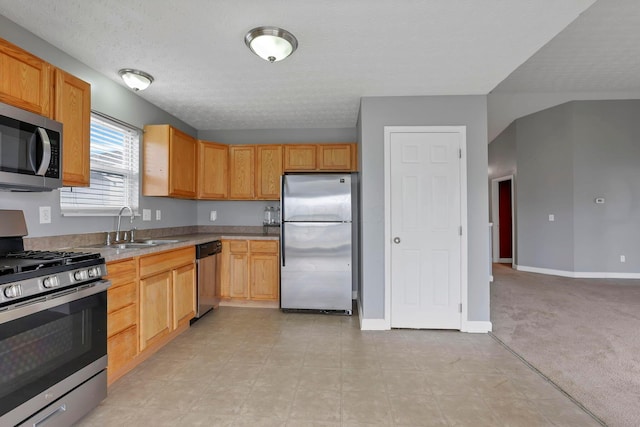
[23,261]
[23,265]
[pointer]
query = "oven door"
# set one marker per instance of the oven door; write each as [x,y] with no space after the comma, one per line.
[49,347]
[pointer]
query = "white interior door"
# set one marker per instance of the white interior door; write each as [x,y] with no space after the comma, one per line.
[425,229]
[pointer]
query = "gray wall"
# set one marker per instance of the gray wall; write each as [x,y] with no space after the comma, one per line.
[606,141]
[112,99]
[545,186]
[566,157]
[502,154]
[377,112]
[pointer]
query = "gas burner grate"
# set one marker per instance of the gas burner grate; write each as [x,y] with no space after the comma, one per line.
[6,269]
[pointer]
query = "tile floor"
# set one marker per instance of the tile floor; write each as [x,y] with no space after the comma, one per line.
[262,367]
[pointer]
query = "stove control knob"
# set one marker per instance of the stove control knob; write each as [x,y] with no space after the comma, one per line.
[50,282]
[94,272]
[80,275]
[13,291]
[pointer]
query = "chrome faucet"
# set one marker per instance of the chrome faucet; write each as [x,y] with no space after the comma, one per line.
[117,239]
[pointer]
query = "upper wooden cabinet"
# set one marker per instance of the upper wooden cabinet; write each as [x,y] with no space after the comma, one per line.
[299,157]
[72,107]
[169,162]
[242,172]
[213,170]
[268,171]
[320,157]
[26,80]
[338,157]
[32,84]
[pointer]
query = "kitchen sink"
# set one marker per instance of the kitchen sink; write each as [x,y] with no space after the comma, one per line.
[160,241]
[128,245]
[141,244]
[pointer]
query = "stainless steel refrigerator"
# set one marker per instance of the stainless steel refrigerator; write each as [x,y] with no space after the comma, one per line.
[318,237]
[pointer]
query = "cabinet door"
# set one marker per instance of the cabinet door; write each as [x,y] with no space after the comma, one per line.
[264,270]
[73,109]
[225,273]
[268,171]
[299,157]
[238,280]
[241,172]
[213,160]
[264,277]
[121,348]
[155,308]
[182,165]
[26,80]
[335,157]
[184,295]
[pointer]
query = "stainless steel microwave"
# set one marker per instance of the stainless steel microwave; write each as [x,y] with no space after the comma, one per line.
[30,151]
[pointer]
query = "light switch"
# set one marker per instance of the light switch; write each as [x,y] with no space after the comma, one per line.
[158,215]
[213,216]
[146,214]
[552,217]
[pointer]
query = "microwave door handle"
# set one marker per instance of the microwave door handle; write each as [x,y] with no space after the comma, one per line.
[46,151]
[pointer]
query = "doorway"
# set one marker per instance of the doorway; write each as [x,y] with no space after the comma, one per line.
[502,217]
[425,226]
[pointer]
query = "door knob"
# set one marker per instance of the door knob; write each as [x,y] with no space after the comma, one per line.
[396,240]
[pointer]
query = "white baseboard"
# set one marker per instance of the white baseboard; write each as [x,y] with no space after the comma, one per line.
[372,324]
[578,274]
[354,294]
[476,327]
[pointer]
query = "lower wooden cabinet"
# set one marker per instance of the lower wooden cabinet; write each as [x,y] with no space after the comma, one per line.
[184,295]
[250,270]
[155,308]
[151,300]
[264,270]
[167,294]
[122,316]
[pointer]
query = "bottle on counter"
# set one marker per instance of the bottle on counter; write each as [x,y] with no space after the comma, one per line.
[276,219]
[268,215]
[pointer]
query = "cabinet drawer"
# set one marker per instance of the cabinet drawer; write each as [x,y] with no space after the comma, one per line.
[116,268]
[121,348]
[263,246]
[165,261]
[236,246]
[121,319]
[121,296]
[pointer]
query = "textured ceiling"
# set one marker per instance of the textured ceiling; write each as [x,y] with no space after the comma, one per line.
[599,51]
[348,49]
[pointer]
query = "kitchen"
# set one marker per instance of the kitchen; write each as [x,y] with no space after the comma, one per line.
[114,100]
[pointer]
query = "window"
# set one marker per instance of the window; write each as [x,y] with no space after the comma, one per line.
[114,172]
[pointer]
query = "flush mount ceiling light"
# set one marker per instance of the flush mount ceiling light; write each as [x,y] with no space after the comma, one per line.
[272,44]
[136,79]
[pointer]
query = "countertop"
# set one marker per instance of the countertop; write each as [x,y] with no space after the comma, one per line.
[113,254]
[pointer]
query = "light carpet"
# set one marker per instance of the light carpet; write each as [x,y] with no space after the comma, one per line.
[584,334]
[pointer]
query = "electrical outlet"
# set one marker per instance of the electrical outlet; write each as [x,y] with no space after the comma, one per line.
[146,214]
[213,216]
[158,215]
[552,217]
[45,214]
[623,258]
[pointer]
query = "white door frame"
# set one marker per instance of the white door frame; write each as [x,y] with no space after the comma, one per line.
[495,218]
[462,130]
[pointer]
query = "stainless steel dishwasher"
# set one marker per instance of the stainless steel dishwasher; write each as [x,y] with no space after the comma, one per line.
[207,264]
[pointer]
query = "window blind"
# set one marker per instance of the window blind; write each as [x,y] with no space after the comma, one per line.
[114,172]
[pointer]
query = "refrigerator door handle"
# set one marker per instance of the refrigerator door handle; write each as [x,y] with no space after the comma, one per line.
[282,182]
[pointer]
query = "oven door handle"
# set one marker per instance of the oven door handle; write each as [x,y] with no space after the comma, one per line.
[65,296]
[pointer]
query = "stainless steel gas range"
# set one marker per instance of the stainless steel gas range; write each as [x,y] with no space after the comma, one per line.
[53,331]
